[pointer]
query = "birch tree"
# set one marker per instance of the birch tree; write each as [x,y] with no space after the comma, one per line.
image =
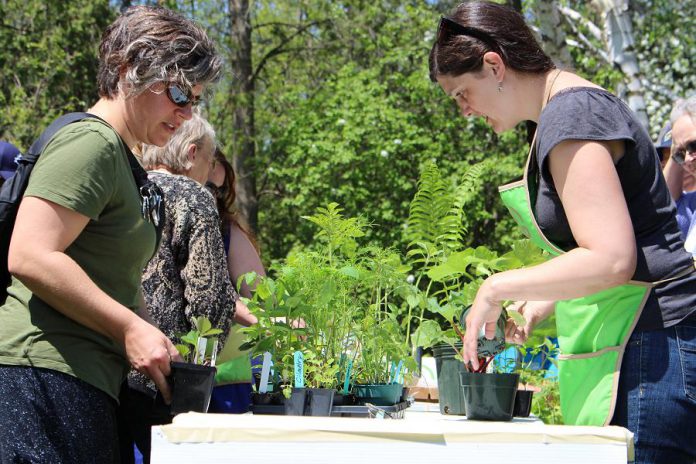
[618,37]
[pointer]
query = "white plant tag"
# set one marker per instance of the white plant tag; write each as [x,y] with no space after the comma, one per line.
[265,371]
[200,350]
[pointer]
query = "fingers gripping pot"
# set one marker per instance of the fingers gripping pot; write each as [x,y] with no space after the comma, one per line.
[488,348]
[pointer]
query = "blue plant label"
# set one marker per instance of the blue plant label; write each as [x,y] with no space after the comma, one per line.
[346,382]
[392,371]
[299,370]
[397,376]
[265,371]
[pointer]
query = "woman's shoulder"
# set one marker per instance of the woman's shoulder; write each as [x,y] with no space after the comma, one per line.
[89,132]
[585,113]
[184,194]
[588,99]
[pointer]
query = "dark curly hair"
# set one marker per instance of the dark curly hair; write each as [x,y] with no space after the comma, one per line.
[149,44]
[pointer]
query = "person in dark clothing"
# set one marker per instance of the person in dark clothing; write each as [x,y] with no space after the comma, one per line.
[593,196]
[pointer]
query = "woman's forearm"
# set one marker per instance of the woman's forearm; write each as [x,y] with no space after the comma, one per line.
[574,274]
[59,281]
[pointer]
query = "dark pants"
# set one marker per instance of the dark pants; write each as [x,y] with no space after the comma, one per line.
[48,417]
[137,413]
[657,394]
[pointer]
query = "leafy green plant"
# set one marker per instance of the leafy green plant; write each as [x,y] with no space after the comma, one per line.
[351,299]
[199,344]
[448,273]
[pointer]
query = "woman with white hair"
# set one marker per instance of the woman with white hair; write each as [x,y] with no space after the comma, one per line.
[187,277]
[683,163]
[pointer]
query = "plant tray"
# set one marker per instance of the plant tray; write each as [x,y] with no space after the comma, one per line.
[395,411]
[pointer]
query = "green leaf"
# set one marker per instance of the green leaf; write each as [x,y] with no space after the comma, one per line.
[427,334]
[517,318]
[350,271]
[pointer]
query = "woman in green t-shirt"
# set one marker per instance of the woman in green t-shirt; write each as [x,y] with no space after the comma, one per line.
[69,330]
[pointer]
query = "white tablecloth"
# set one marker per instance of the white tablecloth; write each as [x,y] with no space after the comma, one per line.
[424,436]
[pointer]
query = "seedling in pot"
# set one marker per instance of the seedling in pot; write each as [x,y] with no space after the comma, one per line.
[199,345]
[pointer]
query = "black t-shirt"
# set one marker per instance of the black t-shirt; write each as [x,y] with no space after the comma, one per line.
[584,113]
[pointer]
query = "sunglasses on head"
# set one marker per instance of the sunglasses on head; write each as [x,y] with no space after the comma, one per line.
[449,27]
[679,155]
[181,98]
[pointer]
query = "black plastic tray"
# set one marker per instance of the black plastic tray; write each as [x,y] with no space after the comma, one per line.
[367,410]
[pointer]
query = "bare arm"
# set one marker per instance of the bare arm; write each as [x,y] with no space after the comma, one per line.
[589,188]
[242,258]
[37,257]
[142,309]
[674,175]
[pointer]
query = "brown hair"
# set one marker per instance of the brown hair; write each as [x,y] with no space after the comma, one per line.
[225,198]
[152,44]
[493,27]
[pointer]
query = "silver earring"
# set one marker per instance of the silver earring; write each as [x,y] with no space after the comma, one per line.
[500,86]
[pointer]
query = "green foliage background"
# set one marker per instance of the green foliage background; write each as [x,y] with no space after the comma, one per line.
[344,110]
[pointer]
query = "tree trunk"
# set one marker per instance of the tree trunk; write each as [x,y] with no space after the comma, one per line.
[243,118]
[618,34]
[552,34]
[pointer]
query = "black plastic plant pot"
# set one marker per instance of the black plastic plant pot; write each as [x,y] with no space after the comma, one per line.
[489,396]
[340,399]
[319,402]
[266,398]
[448,382]
[523,403]
[379,394]
[192,385]
[295,405]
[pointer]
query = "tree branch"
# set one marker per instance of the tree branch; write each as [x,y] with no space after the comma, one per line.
[280,48]
[572,15]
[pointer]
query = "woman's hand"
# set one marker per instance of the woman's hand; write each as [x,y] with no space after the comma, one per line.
[484,314]
[533,312]
[149,351]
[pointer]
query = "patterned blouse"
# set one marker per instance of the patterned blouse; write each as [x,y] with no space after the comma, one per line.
[188,275]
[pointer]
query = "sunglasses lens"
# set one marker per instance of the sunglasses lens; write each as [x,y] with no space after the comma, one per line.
[691,147]
[177,96]
[680,156]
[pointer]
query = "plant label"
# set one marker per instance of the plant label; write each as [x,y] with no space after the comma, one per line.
[397,376]
[265,371]
[299,370]
[201,345]
[346,382]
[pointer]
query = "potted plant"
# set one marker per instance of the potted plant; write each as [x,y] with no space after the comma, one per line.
[192,381]
[449,275]
[383,356]
[351,299]
[321,287]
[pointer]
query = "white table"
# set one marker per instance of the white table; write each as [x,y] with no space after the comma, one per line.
[424,436]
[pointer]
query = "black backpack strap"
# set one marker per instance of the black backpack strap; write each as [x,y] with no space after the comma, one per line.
[151,196]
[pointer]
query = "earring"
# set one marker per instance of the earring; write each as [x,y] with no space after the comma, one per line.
[500,86]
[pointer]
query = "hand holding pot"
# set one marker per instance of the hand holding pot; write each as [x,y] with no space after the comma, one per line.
[150,352]
[484,314]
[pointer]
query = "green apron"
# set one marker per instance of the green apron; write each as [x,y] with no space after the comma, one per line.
[592,330]
[234,365]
